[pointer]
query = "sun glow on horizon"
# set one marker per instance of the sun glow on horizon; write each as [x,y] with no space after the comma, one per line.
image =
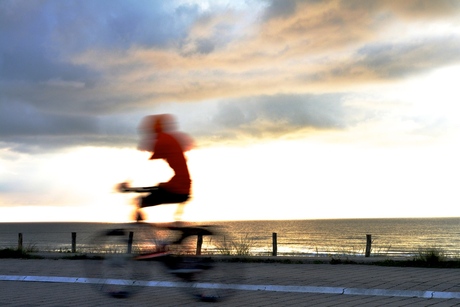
[302,179]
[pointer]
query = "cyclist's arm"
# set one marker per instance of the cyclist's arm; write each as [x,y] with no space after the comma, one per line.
[124,187]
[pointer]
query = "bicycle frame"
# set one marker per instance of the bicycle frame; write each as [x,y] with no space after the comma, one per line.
[169,243]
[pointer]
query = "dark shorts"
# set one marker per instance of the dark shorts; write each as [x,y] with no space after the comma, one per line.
[160,196]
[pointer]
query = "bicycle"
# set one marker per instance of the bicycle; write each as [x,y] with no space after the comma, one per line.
[124,252]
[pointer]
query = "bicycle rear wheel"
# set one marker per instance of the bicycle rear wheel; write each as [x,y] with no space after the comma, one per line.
[114,270]
[211,277]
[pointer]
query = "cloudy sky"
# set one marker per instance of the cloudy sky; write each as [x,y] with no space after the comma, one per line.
[299,109]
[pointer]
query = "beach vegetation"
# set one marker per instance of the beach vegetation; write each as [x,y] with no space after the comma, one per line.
[83,257]
[431,255]
[239,247]
[23,253]
[242,246]
[381,251]
[425,257]
[341,261]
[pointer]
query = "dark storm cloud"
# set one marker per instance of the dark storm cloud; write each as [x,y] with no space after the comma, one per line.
[70,71]
[21,119]
[25,128]
[395,61]
[280,8]
[120,24]
[390,61]
[74,26]
[48,101]
[412,9]
[38,38]
[407,9]
[280,114]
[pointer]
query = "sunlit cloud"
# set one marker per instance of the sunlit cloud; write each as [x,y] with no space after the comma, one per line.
[77,77]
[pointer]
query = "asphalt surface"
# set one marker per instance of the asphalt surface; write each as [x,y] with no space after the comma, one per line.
[60,282]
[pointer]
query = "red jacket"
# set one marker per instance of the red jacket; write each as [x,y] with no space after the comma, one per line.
[168,148]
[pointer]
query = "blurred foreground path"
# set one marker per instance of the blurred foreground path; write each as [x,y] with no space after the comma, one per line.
[61,282]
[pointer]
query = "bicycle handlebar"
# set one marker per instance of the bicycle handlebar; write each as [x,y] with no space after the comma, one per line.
[139,189]
[123,187]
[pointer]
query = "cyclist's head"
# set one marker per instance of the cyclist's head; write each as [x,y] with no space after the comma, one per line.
[153,124]
[158,123]
[165,123]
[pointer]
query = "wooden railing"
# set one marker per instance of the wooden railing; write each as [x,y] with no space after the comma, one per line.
[199,243]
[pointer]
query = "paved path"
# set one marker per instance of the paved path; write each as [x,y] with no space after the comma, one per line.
[63,283]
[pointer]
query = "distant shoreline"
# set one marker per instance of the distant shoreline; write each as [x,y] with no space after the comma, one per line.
[391,237]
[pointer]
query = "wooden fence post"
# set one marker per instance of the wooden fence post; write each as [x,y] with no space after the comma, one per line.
[130,241]
[74,242]
[199,243]
[275,244]
[20,241]
[368,245]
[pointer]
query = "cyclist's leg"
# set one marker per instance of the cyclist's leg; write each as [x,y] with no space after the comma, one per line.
[179,211]
[161,196]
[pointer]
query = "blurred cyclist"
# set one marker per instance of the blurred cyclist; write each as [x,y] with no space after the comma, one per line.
[159,136]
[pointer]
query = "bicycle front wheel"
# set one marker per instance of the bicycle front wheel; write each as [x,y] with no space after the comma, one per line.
[113,269]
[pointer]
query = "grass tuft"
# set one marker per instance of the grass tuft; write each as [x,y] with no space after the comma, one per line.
[17,253]
[432,256]
[240,247]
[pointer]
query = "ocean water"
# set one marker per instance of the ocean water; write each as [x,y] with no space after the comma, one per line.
[390,237]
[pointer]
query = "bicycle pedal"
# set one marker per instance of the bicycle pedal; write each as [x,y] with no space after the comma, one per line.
[152,256]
